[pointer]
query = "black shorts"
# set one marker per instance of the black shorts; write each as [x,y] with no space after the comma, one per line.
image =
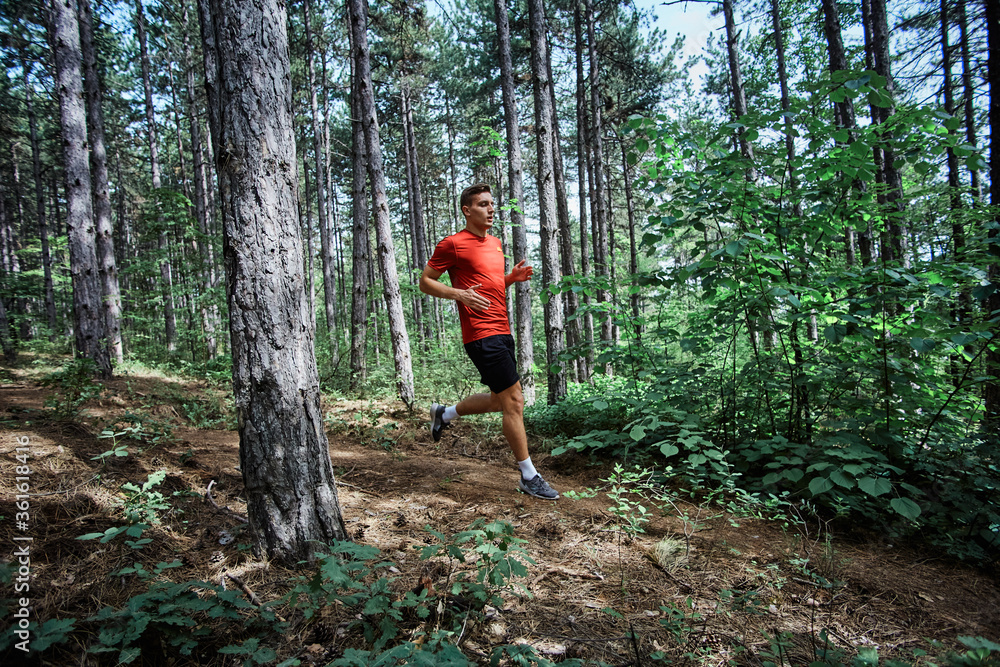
[494,357]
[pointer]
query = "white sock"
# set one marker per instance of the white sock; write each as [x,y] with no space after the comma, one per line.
[527,469]
[449,413]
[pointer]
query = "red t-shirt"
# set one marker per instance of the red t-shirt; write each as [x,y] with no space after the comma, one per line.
[471,260]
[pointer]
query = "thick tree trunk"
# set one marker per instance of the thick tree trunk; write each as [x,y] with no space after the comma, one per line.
[43,233]
[544,139]
[166,272]
[88,314]
[383,231]
[515,178]
[291,495]
[112,298]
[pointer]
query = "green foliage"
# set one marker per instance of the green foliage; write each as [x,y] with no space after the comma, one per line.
[137,428]
[74,384]
[794,371]
[499,558]
[142,506]
[352,576]
[180,615]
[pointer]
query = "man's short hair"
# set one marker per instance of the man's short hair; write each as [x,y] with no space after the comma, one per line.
[471,191]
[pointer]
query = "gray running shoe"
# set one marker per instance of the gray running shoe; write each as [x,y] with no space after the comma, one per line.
[538,487]
[438,423]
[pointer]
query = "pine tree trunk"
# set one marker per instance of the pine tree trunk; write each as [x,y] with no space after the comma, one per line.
[88,314]
[43,233]
[326,251]
[13,244]
[846,119]
[361,241]
[600,213]
[992,387]
[210,316]
[166,273]
[6,344]
[892,176]
[111,294]
[585,361]
[416,207]
[383,231]
[549,227]
[736,85]
[633,254]
[570,299]
[963,307]
[969,94]
[291,494]
[515,178]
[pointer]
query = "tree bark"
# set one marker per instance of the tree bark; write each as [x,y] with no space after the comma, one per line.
[549,227]
[416,206]
[515,178]
[585,360]
[570,300]
[361,240]
[968,94]
[846,119]
[893,178]
[383,231]
[88,315]
[600,213]
[738,90]
[43,233]
[326,251]
[166,272]
[201,200]
[633,254]
[992,387]
[110,292]
[291,494]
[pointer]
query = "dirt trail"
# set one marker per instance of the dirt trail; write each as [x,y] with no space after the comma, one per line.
[737,578]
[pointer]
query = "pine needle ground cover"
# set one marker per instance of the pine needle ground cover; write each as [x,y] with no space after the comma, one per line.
[449,565]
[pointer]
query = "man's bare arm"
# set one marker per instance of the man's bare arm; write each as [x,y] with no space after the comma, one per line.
[429,284]
[518,273]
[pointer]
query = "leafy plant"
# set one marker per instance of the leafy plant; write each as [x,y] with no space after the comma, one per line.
[74,384]
[142,506]
[499,558]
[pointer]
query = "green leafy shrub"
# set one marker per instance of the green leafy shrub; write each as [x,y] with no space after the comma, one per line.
[74,384]
[792,370]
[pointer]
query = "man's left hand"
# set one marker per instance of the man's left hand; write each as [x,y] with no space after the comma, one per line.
[520,272]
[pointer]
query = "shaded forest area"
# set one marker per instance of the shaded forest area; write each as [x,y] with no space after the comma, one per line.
[766,301]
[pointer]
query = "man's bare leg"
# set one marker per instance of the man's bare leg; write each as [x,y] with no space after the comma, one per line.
[511,403]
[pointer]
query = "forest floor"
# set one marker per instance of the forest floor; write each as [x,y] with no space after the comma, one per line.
[732,584]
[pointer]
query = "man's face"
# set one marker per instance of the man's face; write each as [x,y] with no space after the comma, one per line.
[479,213]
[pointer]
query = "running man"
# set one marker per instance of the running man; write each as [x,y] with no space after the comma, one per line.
[474,261]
